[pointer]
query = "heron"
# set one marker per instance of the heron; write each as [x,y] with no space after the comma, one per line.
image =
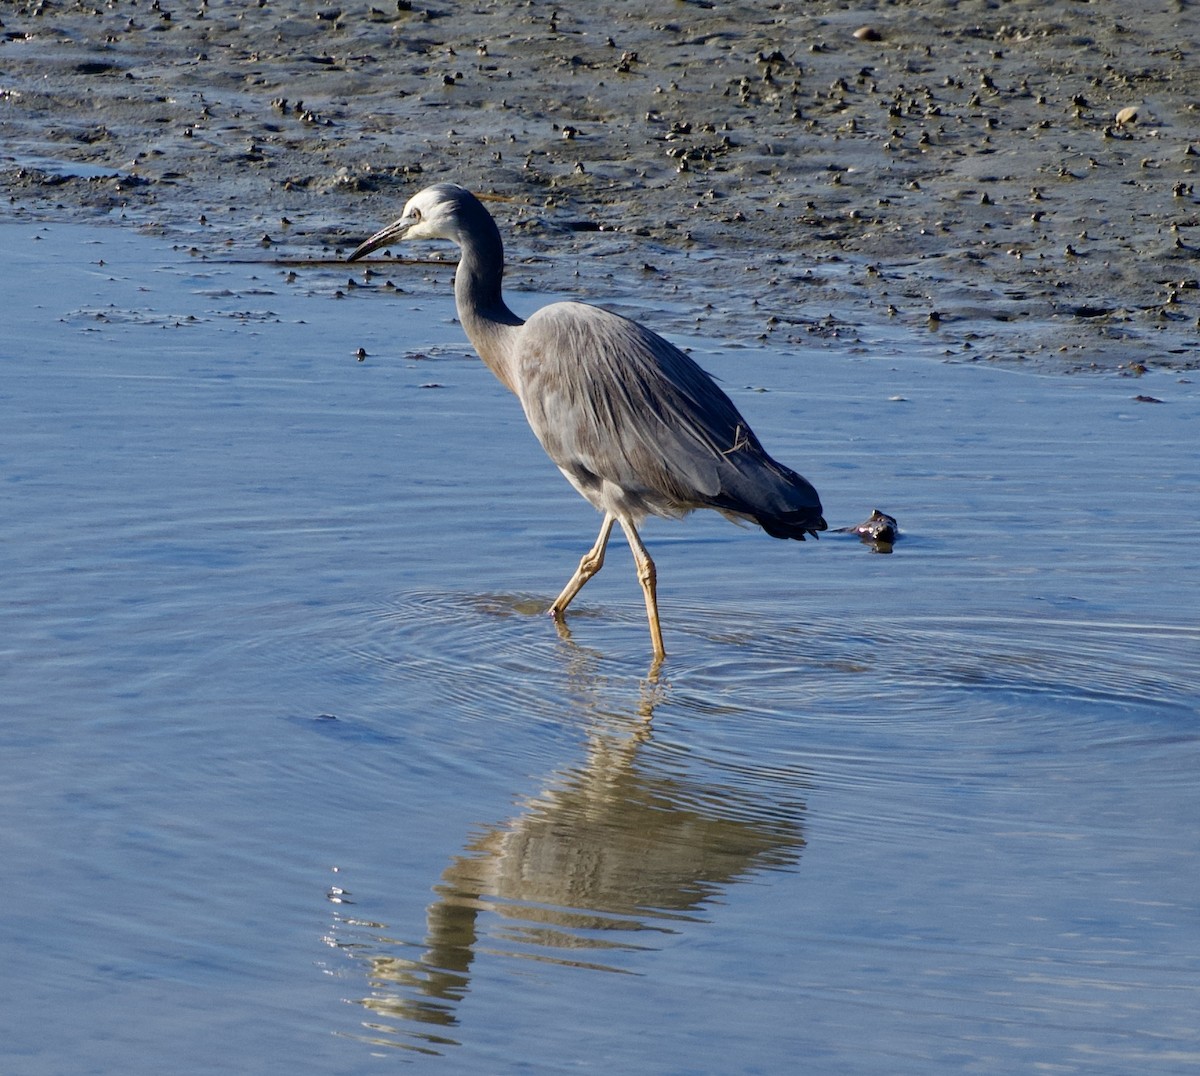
[634,424]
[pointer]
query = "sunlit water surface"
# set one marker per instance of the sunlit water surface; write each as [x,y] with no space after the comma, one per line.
[298,777]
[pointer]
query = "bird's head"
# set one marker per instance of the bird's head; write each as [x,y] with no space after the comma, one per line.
[437,212]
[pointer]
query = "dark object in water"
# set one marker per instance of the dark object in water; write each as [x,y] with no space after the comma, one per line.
[878,530]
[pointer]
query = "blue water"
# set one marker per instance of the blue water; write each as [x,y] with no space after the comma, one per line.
[297,776]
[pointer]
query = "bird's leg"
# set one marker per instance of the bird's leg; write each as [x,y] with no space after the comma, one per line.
[647,576]
[592,562]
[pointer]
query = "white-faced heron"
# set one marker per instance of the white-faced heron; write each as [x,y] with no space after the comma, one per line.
[634,424]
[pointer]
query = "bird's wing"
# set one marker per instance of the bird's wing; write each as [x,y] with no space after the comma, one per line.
[610,399]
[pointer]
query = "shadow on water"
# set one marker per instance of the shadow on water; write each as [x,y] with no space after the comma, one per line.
[621,853]
[614,853]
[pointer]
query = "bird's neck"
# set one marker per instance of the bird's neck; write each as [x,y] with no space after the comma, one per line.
[485,317]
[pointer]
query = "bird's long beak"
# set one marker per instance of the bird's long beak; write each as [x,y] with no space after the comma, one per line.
[393,233]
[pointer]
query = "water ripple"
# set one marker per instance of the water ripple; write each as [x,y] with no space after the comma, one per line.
[715,771]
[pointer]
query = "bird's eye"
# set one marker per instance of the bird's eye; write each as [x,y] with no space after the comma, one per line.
[415,214]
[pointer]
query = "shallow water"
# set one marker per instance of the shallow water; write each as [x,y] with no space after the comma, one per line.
[298,776]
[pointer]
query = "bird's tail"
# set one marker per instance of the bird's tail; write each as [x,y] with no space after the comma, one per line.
[779,500]
[796,524]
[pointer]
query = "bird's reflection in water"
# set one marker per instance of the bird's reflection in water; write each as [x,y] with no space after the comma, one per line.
[630,844]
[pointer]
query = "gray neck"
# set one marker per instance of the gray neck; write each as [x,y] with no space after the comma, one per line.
[486,319]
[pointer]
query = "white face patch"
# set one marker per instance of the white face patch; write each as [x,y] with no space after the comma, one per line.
[420,228]
[426,212]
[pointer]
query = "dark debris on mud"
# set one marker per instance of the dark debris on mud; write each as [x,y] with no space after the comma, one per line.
[1017,179]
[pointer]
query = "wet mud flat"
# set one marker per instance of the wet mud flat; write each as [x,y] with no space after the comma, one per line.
[1018,178]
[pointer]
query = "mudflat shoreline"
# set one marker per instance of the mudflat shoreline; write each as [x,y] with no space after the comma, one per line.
[1018,179]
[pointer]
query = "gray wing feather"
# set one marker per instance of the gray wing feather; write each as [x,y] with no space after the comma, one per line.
[613,402]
